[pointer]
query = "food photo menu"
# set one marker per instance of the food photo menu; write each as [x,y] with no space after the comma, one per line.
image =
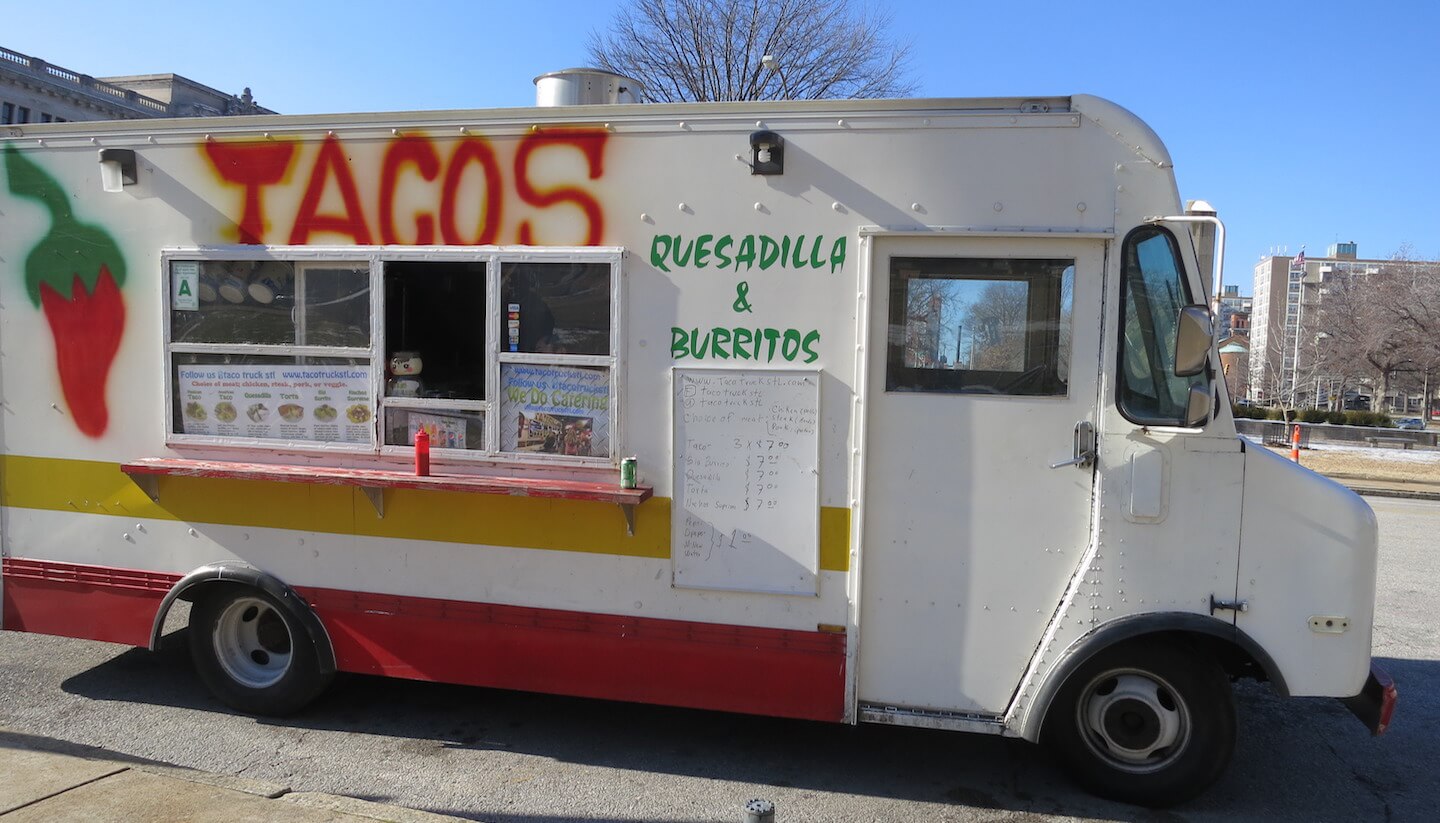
[331,404]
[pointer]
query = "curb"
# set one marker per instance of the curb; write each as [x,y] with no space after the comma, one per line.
[1411,494]
[370,809]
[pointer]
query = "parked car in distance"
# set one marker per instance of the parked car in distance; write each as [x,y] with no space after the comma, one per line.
[1415,423]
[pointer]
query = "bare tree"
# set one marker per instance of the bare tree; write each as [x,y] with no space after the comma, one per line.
[711,50]
[1383,323]
[999,323]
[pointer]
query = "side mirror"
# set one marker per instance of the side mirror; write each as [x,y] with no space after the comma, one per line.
[1197,410]
[1193,336]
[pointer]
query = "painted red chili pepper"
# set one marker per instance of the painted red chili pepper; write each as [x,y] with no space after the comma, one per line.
[74,275]
[87,327]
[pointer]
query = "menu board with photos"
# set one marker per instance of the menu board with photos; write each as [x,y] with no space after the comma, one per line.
[328,404]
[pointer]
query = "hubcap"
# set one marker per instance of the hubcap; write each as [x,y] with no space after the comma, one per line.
[252,643]
[1133,720]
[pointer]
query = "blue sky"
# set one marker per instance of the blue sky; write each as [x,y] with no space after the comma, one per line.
[1304,123]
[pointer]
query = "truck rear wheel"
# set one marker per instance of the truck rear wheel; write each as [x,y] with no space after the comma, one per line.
[1145,723]
[251,654]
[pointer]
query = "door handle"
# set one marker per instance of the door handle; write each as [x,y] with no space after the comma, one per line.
[1080,460]
[1084,447]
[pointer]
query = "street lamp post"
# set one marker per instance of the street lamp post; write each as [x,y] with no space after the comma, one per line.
[772,63]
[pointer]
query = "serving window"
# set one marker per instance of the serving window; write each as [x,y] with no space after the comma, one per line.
[495,355]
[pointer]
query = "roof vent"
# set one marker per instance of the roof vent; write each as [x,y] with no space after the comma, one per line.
[585,87]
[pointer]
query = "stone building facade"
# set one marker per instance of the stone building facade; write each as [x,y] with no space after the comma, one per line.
[35,91]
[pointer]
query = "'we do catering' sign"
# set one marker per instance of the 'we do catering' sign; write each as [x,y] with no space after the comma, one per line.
[319,403]
[555,410]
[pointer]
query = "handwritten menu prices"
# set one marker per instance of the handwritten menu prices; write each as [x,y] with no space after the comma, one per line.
[746,480]
[327,404]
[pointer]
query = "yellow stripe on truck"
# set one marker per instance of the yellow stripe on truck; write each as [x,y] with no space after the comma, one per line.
[86,486]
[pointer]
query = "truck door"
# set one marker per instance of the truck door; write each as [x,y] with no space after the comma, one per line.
[982,364]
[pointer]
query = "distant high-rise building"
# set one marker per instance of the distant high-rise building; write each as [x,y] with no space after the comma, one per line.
[1233,311]
[34,91]
[1285,323]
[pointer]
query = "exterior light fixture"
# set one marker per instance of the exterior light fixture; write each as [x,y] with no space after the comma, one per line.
[117,169]
[767,153]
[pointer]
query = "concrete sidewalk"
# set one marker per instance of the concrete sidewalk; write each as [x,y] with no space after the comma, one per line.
[50,780]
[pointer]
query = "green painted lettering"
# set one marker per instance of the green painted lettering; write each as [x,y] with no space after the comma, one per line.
[791,346]
[701,253]
[771,336]
[659,247]
[746,254]
[810,339]
[681,260]
[816,261]
[717,345]
[679,344]
[742,339]
[769,251]
[720,246]
[837,254]
[798,261]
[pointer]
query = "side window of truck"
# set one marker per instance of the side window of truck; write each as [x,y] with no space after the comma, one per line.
[980,325]
[1153,291]
[493,355]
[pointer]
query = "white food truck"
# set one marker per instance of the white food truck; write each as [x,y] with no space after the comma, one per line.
[922,396]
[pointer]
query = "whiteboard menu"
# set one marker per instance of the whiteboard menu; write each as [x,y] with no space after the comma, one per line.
[747,482]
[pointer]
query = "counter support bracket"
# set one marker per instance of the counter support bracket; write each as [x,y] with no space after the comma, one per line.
[376,496]
[628,509]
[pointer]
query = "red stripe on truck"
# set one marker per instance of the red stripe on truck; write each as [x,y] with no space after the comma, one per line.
[778,672]
[89,602]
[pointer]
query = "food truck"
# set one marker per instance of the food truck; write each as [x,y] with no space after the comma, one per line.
[897,411]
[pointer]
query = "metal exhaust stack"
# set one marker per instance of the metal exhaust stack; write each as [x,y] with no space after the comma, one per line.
[585,87]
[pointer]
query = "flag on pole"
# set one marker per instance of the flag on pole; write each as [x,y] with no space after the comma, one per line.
[1299,261]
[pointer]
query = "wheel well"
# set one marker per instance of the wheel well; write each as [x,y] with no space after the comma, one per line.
[1235,652]
[1232,657]
[218,577]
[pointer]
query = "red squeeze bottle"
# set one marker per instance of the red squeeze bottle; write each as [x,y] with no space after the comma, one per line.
[422,453]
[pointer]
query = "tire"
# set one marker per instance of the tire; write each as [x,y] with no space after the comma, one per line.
[252,654]
[1147,722]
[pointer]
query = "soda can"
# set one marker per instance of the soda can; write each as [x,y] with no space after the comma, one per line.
[628,471]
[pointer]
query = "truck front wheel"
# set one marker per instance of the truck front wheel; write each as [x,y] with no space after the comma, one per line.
[251,654]
[1147,722]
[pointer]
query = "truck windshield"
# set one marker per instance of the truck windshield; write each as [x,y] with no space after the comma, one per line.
[1153,292]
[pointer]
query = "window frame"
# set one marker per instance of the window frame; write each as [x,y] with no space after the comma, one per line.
[375,259]
[941,381]
[1187,299]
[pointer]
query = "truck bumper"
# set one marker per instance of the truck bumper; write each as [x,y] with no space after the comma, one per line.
[1376,701]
